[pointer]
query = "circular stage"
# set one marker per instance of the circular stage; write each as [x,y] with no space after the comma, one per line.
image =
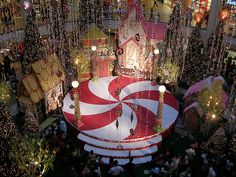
[118,115]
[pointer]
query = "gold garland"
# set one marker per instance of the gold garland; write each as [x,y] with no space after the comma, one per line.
[168,72]
[5,93]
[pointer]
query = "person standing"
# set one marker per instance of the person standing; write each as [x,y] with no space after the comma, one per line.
[7,66]
[130,168]
[211,172]
[116,170]
[155,3]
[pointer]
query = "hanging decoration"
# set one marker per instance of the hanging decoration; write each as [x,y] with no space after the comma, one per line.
[174,43]
[132,117]
[59,15]
[117,124]
[137,37]
[117,91]
[120,51]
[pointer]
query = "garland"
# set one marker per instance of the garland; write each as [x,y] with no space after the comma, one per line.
[168,72]
[5,93]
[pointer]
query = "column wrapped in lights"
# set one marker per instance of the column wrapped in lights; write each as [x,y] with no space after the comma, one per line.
[75,85]
[161,90]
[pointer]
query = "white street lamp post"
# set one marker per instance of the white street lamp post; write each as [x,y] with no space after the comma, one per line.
[162,90]
[75,85]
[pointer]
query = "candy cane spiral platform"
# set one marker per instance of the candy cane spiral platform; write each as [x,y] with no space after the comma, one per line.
[134,104]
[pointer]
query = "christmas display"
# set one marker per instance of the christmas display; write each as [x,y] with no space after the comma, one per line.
[83,67]
[211,101]
[32,44]
[126,118]
[34,157]
[58,16]
[99,52]
[137,40]
[193,58]
[215,49]
[87,84]
[43,86]
[174,43]
[8,133]
[205,102]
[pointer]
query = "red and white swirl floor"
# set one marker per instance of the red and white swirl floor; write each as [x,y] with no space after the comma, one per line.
[100,107]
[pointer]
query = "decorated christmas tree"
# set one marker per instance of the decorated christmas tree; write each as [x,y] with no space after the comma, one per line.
[174,48]
[31,126]
[31,42]
[192,71]
[32,156]
[8,133]
[214,53]
[232,145]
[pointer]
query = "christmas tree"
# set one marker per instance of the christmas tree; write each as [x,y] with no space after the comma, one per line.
[8,133]
[192,71]
[232,145]
[31,42]
[32,156]
[174,48]
[214,53]
[31,126]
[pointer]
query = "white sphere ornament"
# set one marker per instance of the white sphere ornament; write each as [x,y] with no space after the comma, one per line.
[118,0]
[75,84]
[93,48]
[162,88]
[156,51]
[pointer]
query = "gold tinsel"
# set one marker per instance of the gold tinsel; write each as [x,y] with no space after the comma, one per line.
[5,93]
[168,72]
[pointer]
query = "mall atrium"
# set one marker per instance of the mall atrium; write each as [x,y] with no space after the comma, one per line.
[117,88]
